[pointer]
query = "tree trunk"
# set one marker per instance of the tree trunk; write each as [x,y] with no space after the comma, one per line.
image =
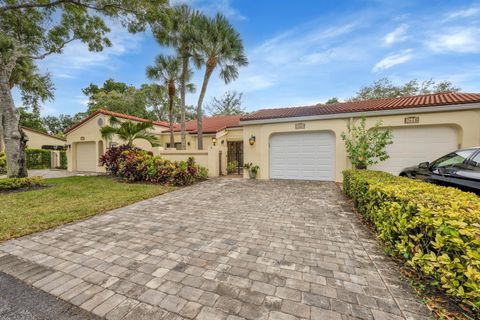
[208,73]
[170,119]
[183,83]
[14,138]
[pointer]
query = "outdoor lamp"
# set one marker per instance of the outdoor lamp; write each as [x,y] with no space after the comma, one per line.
[251,140]
[214,140]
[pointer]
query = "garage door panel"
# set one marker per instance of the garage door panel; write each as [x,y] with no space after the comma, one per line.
[86,156]
[306,155]
[417,144]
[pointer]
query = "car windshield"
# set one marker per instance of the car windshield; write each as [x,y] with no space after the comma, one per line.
[453,158]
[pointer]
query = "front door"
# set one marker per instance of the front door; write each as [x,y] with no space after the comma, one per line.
[235,157]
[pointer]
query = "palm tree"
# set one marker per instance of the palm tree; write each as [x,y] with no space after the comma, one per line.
[167,69]
[177,30]
[219,45]
[129,131]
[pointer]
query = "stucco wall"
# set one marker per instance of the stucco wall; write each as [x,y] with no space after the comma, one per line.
[466,122]
[36,140]
[206,158]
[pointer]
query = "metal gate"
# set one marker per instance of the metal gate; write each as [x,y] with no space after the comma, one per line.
[235,156]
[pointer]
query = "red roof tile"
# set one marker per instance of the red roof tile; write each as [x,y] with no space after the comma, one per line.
[212,124]
[117,115]
[429,100]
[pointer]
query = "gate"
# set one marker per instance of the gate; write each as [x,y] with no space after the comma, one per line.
[235,157]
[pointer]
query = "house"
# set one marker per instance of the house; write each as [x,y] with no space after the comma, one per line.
[41,140]
[86,145]
[305,142]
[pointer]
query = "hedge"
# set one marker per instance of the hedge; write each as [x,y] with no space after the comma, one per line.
[3,163]
[436,230]
[9,184]
[38,159]
[63,160]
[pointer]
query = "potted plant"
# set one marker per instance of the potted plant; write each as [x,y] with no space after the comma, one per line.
[252,170]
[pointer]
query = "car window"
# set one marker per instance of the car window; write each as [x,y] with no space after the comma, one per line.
[454,158]
[474,163]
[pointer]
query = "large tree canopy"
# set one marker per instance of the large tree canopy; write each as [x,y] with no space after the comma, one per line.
[385,88]
[229,104]
[33,30]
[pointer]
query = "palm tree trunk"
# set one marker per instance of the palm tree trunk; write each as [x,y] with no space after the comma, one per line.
[14,138]
[183,82]
[206,78]
[170,119]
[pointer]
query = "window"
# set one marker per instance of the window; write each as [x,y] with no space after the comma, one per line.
[474,163]
[452,159]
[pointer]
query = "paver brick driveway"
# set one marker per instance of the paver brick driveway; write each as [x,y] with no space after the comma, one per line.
[222,249]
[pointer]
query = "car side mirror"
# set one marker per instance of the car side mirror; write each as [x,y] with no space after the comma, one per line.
[424,165]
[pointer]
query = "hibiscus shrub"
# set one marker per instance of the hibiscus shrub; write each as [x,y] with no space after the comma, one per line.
[134,165]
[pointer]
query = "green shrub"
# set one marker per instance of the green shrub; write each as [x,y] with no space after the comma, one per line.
[63,160]
[435,229]
[38,159]
[3,163]
[9,184]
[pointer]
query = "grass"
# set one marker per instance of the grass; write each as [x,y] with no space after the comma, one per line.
[66,200]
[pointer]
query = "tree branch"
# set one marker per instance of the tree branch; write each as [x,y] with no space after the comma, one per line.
[55,50]
[59,2]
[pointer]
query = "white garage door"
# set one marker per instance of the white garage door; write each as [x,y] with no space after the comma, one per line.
[306,156]
[86,156]
[414,145]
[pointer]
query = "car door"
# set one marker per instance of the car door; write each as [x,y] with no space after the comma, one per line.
[445,167]
[467,175]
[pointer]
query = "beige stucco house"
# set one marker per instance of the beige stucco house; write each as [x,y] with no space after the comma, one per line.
[304,142]
[86,145]
[38,139]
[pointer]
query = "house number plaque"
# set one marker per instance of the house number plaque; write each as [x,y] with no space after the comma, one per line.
[300,125]
[410,120]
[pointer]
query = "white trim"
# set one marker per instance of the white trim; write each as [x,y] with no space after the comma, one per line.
[444,108]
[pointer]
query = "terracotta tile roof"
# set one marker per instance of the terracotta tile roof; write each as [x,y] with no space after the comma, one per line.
[430,100]
[117,115]
[212,124]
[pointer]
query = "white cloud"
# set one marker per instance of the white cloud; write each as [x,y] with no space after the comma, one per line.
[76,57]
[397,35]
[461,39]
[465,13]
[392,60]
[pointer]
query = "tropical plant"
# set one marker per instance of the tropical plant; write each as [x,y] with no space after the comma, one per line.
[3,163]
[366,146]
[252,169]
[232,166]
[177,30]
[167,70]
[129,131]
[218,44]
[32,30]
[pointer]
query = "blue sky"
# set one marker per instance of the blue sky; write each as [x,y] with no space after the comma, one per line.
[300,52]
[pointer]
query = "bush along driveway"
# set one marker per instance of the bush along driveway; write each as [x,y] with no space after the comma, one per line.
[220,249]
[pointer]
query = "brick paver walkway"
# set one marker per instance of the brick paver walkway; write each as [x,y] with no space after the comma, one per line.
[223,249]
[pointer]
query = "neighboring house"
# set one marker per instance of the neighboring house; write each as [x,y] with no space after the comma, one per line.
[42,140]
[86,145]
[305,142]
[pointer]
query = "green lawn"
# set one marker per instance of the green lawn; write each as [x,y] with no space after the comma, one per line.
[66,200]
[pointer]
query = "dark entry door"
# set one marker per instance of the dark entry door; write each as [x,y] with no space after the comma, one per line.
[235,156]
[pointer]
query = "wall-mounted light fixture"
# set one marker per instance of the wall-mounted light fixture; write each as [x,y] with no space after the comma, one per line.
[223,141]
[214,141]
[188,143]
[252,140]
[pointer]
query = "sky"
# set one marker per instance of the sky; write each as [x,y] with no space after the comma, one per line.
[300,52]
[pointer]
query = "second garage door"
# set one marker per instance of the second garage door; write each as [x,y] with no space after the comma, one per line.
[86,156]
[414,145]
[305,156]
